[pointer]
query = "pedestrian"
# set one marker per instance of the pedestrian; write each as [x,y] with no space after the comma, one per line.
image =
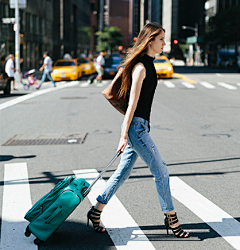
[47,67]
[139,82]
[9,69]
[100,62]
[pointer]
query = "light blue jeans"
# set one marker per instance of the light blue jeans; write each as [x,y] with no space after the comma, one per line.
[140,144]
[46,74]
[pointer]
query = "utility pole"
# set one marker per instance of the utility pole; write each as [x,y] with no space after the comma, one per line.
[17,46]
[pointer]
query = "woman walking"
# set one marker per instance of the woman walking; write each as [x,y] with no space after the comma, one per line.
[139,82]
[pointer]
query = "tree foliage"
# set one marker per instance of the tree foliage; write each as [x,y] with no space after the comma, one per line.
[109,38]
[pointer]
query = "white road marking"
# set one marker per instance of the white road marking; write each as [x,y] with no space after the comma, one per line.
[16,202]
[35,94]
[217,74]
[103,83]
[207,85]
[238,84]
[84,85]
[227,86]
[169,84]
[123,230]
[188,85]
[224,224]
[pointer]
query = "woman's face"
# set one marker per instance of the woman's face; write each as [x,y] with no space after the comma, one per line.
[158,43]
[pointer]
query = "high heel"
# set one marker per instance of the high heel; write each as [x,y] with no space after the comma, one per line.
[94,216]
[171,221]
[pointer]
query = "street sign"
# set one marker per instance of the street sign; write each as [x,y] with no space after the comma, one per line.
[8,20]
[191,39]
[22,4]
[194,39]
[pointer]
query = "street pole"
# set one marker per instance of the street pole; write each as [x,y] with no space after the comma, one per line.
[17,46]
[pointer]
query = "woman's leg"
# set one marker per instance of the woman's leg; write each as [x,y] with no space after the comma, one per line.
[121,174]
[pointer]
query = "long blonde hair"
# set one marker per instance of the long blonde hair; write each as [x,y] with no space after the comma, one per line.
[146,35]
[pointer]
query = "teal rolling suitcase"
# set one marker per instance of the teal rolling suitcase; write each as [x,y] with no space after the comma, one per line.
[52,209]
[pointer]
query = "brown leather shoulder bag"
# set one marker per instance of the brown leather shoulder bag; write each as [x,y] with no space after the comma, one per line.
[111,94]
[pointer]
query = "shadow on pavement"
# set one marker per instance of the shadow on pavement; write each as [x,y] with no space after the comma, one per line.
[201,69]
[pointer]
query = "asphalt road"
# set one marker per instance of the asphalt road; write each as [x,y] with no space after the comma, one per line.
[196,130]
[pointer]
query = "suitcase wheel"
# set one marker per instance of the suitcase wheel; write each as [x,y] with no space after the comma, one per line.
[27,232]
[38,241]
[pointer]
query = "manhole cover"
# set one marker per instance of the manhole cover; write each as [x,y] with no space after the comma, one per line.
[50,139]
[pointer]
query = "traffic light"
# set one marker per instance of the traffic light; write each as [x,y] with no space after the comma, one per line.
[175,41]
[135,39]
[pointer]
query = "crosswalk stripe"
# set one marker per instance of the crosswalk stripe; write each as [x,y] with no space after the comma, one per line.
[207,85]
[238,84]
[123,230]
[169,84]
[224,224]
[188,85]
[16,202]
[227,86]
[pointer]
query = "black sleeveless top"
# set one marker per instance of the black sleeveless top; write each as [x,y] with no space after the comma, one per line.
[149,85]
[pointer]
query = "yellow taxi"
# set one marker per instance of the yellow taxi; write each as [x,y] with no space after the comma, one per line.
[163,67]
[86,65]
[66,69]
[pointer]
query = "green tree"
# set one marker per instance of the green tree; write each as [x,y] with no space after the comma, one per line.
[223,28]
[109,38]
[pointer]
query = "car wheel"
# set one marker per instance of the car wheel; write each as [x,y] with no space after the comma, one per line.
[7,90]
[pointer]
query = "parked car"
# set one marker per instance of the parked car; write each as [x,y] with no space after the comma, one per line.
[111,64]
[87,66]
[4,84]
[66,70]
[163,67]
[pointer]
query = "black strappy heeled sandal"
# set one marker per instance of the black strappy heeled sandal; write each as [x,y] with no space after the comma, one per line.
[171,220]
[94,216]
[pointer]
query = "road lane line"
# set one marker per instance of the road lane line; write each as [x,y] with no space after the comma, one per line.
[35,94]
[169,84]
[207,85]
[224,224]
[184,78]
[16,202]
[188,85]
[123,230]
[227,86]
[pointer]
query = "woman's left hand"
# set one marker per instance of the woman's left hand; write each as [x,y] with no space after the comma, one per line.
[122,144]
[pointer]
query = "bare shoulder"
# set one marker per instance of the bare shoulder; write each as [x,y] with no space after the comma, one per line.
[139,69]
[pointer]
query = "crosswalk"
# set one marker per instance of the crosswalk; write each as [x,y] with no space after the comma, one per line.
[123,230]
[171,84]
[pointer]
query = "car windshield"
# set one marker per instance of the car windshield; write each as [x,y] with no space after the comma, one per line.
[83,61]
[65,63]
[160,61]
[112,60]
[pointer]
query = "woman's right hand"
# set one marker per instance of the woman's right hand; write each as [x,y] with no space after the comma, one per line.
[122,144]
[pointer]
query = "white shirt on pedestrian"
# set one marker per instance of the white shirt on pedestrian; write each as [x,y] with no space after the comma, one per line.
[9,67]
[48,64]
[100,60]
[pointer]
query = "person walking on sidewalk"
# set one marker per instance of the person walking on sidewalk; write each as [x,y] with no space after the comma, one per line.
[47,67]
[100,62]
[9,69]
[140,81]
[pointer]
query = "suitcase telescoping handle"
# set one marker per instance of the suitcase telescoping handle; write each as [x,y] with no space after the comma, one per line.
[100,175]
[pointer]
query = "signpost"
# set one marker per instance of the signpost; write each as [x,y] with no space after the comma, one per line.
[16,4]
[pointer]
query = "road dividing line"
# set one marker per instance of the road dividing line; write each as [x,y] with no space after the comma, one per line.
[207,85]
[224,224]
[227,86]
[123,230]
[188,85]
[16,202]
[184,78]
[169,84]
[35,94]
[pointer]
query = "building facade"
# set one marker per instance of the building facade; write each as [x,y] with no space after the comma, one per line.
[56,26]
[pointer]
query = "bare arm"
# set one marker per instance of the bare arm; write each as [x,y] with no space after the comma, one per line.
[138,75]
